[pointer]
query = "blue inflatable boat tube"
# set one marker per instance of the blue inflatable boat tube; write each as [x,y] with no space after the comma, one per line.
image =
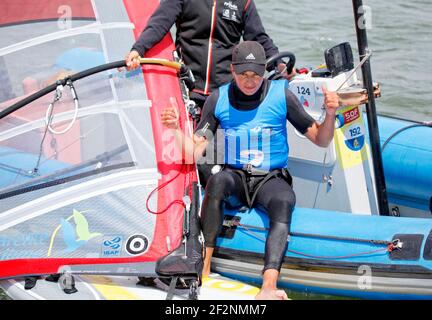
[407,160]
[335,253]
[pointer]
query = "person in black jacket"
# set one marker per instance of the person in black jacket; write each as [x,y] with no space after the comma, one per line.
[207,31]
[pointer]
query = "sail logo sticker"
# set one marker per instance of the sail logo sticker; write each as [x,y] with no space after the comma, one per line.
[111,246]
[137,244]
[350,137]
[347,117]
[354,137]
[22,245]
[74,236]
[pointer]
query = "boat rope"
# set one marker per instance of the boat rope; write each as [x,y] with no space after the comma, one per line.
[160,187]
[163,185]
[57,96]
[49,113]
[371,241]
[187,181]
[389,246]
[364,58]
[421,124]
[365,253]
[49,118]
[184,167]
[191,110]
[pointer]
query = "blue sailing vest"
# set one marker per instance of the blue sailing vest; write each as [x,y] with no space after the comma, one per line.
[258,136]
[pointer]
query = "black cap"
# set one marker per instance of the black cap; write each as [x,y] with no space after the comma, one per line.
[249,56]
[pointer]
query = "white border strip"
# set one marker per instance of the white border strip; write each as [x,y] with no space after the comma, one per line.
[90,28]
[109,107]
[80,192]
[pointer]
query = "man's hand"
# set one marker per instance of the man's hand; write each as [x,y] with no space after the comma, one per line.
[283,71]
[132,60]
[170,117]
[331,101]
[322,133]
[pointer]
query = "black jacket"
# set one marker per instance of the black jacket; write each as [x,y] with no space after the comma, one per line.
[207,31]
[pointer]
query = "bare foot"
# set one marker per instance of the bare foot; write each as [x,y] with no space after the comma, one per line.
[271,294]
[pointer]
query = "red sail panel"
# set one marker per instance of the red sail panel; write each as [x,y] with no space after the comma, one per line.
[161,84]
[13,13]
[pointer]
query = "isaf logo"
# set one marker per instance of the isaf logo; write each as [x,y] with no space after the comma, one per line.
[111,246]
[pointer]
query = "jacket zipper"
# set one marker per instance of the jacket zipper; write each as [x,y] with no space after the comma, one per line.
[210,49]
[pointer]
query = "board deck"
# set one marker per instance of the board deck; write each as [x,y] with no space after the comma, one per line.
[215,287]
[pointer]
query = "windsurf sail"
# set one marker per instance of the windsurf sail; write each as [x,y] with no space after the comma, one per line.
[87,175]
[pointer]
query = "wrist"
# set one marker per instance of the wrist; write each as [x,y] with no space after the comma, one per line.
[138,50]
[331,114]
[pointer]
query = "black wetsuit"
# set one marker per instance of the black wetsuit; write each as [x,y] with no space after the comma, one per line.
[227,188]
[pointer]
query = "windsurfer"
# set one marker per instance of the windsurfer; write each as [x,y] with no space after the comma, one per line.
[252,108]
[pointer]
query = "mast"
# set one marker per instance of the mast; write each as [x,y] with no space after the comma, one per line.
[374,137]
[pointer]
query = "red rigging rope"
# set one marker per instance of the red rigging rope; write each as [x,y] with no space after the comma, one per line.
[160,187]
[183,169]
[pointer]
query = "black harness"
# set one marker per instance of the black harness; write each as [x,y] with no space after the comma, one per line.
[253,179]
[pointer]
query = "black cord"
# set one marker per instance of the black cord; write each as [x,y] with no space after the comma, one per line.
[56,98]
[423,124]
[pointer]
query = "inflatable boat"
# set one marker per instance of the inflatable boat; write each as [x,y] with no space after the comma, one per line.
[342,240]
